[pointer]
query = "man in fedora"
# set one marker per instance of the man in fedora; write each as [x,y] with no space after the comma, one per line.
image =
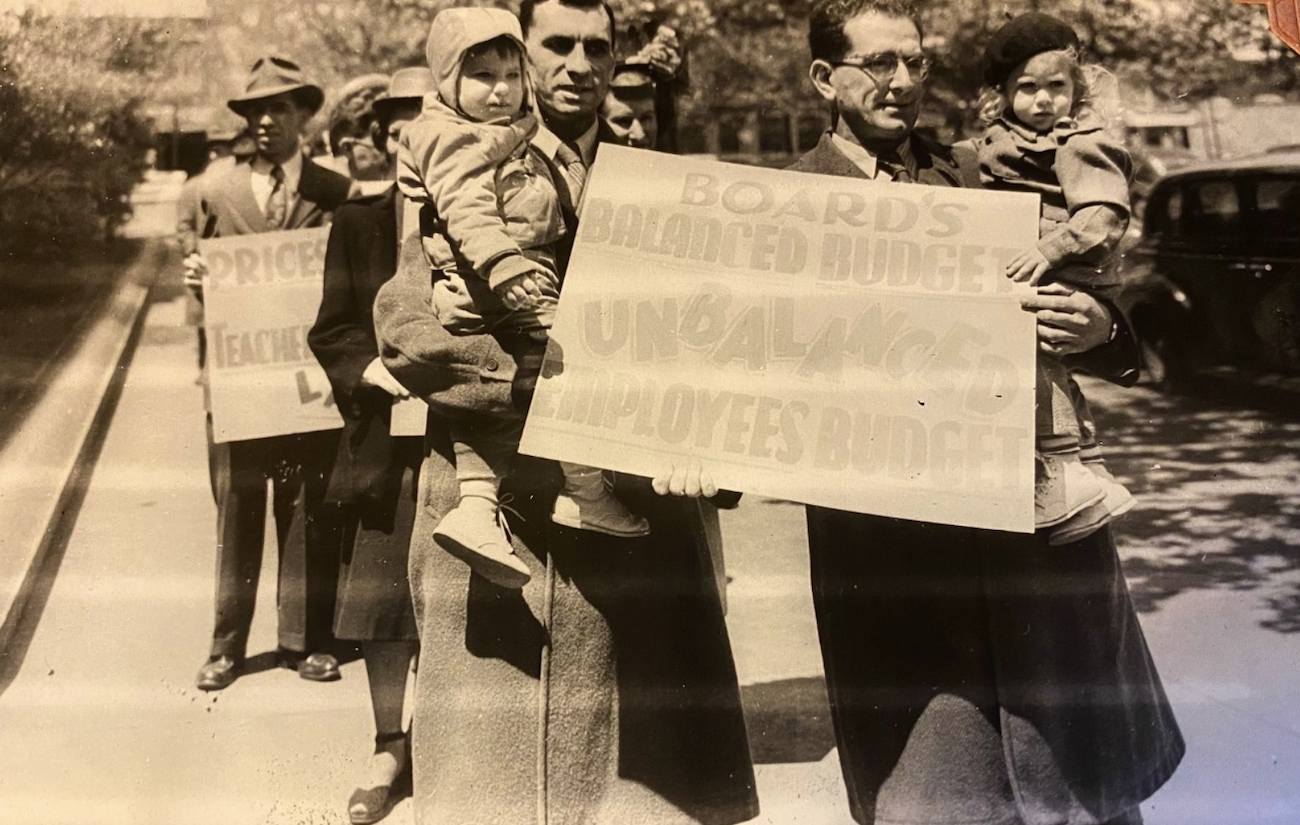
[277,189]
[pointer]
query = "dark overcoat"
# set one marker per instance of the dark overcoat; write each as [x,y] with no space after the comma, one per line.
[976,675]
[373,474]
[605,690]
[360,258]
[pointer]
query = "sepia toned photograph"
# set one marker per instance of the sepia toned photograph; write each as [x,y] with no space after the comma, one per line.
[650,412]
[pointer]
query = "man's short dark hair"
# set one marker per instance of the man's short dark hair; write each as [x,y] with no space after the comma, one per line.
[526,12]
[826,22]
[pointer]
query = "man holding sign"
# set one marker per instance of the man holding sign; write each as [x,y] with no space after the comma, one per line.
[278,190]
[611,667]
[972,674]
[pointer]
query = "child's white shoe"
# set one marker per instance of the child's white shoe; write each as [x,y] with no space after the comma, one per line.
[476,534]
[1081,525]
[1063,488]
[1118,499]
[599,512]
[1115,502]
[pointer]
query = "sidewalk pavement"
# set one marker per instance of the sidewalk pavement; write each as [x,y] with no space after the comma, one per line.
[102,725]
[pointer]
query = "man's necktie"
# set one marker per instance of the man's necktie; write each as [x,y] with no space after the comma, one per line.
[891,163]
[277,206]
[574,170]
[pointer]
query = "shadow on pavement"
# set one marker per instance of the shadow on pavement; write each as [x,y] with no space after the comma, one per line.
[788,720]
[1215,471]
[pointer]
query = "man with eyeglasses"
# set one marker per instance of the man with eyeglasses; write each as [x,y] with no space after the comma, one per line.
[973,675]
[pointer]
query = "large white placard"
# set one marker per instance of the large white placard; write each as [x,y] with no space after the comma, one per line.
[826,340]
[260,296]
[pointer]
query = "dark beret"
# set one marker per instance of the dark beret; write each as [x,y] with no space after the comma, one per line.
[1022,38]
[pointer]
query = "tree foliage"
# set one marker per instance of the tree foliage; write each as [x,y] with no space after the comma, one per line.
[752,54]
[1187,50]
[72,139]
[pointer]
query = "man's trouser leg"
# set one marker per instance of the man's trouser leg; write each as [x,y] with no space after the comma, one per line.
[239,485]
[310,536]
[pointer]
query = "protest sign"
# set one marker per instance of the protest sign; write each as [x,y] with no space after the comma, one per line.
[410,416]
[830,341]
[261,294]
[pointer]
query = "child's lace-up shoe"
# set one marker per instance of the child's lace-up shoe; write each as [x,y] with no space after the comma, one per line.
[477,535]
[1063,488]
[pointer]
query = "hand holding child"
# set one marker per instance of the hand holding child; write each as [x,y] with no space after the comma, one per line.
[521,291]
[1028,267]
[377,375]
[685,479]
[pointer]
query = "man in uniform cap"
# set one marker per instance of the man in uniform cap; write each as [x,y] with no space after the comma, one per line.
[277,189]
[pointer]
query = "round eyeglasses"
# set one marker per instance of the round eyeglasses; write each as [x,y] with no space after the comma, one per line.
[882,67]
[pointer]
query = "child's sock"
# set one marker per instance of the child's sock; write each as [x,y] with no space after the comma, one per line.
[583,482]
[479,494]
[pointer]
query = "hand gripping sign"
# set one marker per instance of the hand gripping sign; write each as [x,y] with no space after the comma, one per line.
[831,341]
[1283,19]
[260,298]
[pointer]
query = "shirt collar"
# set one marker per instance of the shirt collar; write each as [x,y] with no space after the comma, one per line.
[864,160]
[549,143]
[858,155]
[292,170]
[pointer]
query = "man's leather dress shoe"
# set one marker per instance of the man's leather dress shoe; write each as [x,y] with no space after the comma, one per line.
[218,673]
[314,667]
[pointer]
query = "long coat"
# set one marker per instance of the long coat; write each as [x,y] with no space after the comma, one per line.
[373,473]
[605,690]
[360,258]
[975,673]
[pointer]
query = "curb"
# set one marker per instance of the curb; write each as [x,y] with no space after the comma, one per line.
[44,465]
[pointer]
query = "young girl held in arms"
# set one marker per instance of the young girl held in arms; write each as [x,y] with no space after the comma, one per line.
[1042,135]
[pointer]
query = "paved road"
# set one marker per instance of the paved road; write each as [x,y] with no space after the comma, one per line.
[101,723]
[1212,555]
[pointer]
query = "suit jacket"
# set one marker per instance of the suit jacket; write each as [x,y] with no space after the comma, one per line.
[1117,361]
[936,164]
[361,256]
[224,204]
[220,203]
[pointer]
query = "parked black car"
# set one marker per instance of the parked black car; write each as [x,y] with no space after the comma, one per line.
[1214,277]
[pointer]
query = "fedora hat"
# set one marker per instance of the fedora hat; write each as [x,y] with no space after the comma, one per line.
[271,76]
[407,84]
